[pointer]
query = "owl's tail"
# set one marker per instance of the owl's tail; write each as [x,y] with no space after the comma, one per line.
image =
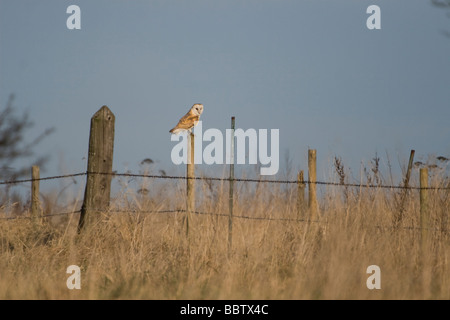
[175,131]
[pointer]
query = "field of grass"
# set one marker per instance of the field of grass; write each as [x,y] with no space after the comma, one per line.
[135,254]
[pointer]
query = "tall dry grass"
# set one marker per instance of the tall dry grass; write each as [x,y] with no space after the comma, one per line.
[138,255]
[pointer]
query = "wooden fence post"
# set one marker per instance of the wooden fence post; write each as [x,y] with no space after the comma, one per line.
[35,203]
[300,195]
[424,209]
[190,183]
[231,188]
[312,188]
[99,167]
[399,216]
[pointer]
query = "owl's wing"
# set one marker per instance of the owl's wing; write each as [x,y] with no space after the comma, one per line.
[188,121]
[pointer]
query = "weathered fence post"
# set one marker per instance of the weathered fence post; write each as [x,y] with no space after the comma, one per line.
[399,216]
[300,195]
[231,188]
[35,203]
[312,188]
[424,209]
[99,167]
[190,183]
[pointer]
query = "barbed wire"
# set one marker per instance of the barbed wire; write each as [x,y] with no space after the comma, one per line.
[40,216]
[134,175]
[162,211]
[45,178]
[325,222]
[212,214]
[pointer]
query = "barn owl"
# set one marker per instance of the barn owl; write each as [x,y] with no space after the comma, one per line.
[189,120]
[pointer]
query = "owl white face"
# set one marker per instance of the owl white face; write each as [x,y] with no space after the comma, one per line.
[197,109]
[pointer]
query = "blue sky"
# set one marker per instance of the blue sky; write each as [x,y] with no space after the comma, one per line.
[309,68]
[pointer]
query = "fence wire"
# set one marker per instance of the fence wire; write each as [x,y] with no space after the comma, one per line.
[134,175]
[304,182]
[323,222]
[45,178]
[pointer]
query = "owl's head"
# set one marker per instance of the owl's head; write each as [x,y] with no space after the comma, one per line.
[197,109]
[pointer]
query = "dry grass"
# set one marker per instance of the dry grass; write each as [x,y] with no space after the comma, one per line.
[148,256]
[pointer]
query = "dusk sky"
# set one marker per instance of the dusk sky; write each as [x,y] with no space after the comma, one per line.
[311,69]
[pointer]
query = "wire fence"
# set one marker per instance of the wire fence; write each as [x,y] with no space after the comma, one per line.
[326,183]
[324,222]
[114,174]
[42,179]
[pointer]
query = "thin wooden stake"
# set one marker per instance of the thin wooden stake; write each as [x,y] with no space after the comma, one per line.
[300,195]
[230,217]
[35,203]
[312,188]
[404,195]
[190,174]
[410,164]
[424,209]
[100,160]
